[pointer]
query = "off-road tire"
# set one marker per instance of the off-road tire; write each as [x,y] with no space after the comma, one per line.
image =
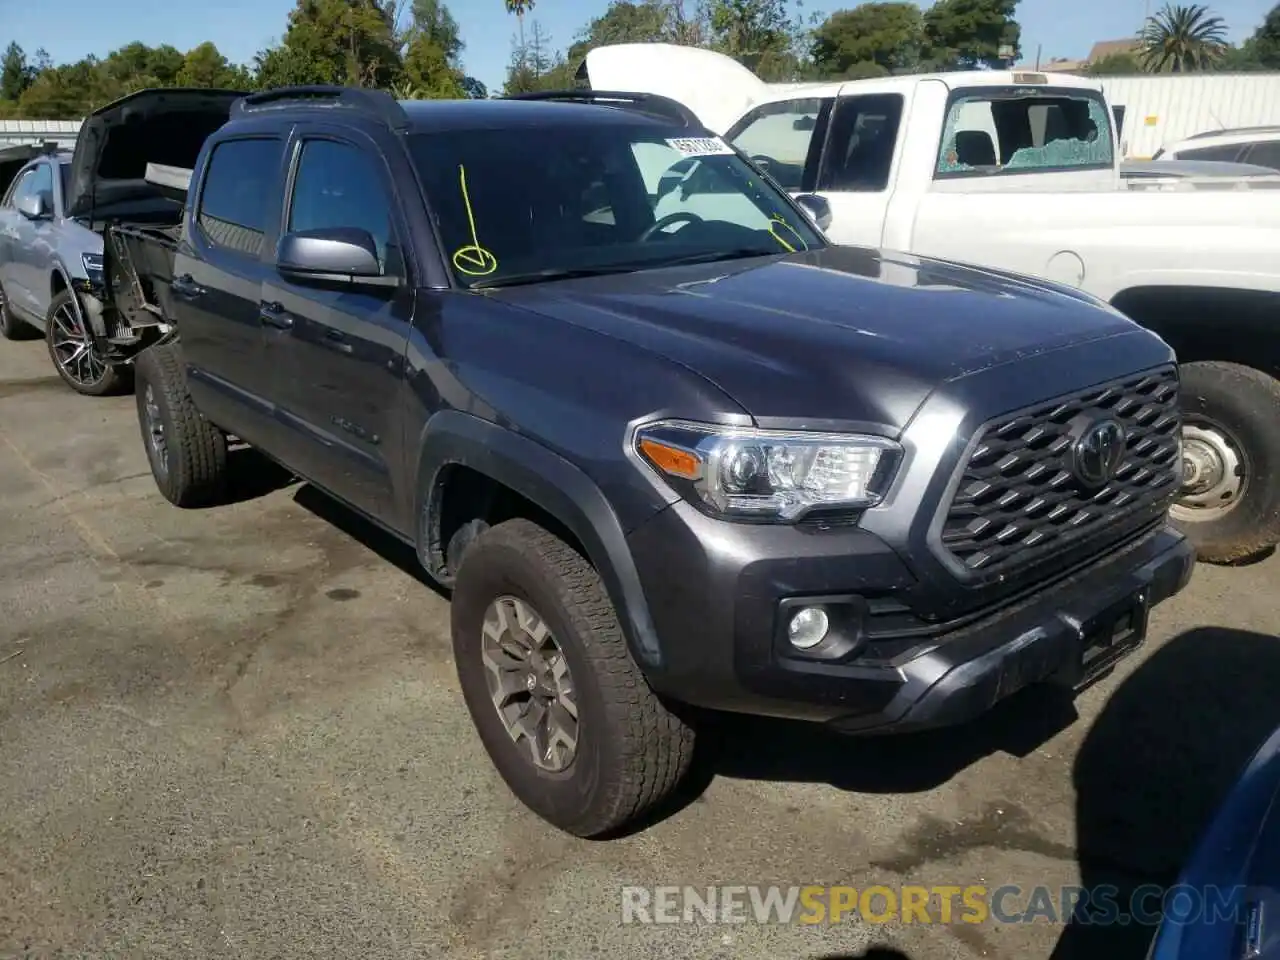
[1244,403]
[118,379]
[11,327]
[632,750]
[196,474]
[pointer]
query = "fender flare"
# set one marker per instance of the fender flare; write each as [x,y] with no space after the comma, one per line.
[552,483]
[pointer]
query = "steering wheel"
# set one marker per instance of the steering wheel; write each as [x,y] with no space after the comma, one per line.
[763,162]
[679,216]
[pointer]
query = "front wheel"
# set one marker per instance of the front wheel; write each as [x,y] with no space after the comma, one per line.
[188,455]
[1230,502]
[563,711]
[75,355]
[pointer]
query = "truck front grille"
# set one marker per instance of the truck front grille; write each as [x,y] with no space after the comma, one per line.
[1020,498]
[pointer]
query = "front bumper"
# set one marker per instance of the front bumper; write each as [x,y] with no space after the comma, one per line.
[717,593]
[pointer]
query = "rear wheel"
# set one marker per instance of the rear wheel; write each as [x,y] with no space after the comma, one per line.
[76,356]
[1230,503]
[11,328]
[562,709]
[188,455]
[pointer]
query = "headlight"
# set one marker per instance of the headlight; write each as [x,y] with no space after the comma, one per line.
[744,473]
[92,262]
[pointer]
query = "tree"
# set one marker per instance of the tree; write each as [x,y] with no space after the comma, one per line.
[530,62]
[16,75]
[749,30]
[1116,65]
[886,35]
[519,8]
[624,22]
[963,34]
[1183,38]
[205,66]
[1264,45]
[334,41]
[432,49]
[431,19]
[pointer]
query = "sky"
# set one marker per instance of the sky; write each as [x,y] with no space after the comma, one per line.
[242,27]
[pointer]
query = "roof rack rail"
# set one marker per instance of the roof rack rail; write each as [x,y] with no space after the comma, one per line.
[376,103]
[649,103]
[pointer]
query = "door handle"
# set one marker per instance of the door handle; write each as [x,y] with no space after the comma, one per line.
[186,287]
[337,340]
[272,314]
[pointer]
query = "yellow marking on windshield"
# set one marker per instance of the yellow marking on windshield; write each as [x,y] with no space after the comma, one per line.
[473,259]
[774,223]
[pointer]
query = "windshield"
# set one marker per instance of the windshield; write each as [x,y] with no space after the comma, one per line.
[1024,131]
[515,205]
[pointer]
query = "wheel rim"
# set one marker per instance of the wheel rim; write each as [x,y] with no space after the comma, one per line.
[73,349]
[1215,473]
[156,441]
[530,683]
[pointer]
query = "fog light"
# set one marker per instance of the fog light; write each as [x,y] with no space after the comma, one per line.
[808,628]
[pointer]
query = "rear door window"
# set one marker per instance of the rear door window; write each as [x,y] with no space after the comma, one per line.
[860,146]
[236,194]
[779,137]
[1020,130]
[1265,154]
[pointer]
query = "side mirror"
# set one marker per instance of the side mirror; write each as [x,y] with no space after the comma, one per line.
[818,208]
[332,255]
[36,206]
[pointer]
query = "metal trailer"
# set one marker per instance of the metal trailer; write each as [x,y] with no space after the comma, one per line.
[1155,111]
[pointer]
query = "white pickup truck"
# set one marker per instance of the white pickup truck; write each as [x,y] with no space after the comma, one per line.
[1019,171]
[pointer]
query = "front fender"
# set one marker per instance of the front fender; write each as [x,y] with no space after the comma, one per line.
[556,486]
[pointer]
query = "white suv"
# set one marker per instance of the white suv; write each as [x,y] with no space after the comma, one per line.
[1256,145]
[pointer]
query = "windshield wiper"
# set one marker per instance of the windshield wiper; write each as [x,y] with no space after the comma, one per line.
[712,256]
[541,276]
[631,266]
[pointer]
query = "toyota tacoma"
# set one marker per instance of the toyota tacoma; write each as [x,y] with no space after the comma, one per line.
[665,465]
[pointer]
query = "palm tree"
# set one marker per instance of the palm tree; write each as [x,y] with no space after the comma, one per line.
[519,8]
[1182,38]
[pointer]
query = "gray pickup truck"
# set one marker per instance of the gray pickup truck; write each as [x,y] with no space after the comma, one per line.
[48,263]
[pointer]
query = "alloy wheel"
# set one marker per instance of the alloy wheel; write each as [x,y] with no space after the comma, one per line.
[530,683]
[73,348]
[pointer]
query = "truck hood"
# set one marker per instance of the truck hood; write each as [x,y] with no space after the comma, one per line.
[842,333]
[116,142]
[715,87]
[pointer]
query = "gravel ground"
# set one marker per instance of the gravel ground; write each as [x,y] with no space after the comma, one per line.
[237,733]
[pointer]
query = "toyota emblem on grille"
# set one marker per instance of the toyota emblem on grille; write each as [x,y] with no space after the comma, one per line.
[1098,453]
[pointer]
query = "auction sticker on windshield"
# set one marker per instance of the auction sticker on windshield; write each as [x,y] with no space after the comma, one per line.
[700,146]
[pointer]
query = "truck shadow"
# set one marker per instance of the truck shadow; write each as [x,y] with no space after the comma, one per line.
[764,749]
[253,475]
[1161,756]
[391,549]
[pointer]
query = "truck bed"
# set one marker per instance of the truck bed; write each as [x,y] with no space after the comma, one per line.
[138,259]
